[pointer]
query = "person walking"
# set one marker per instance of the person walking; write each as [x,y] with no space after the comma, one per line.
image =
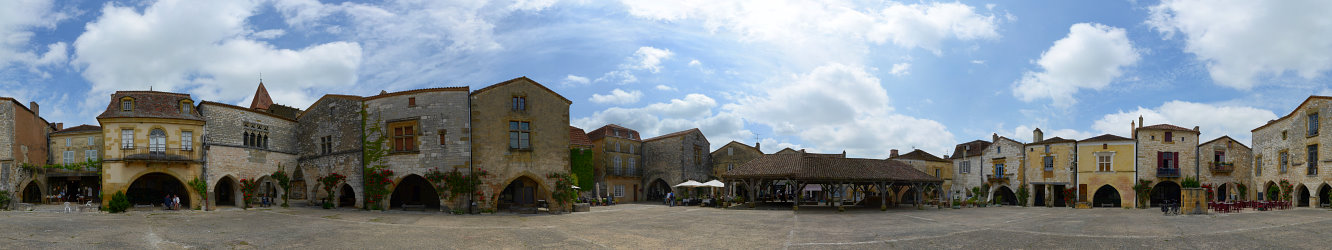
[175,201]
[166,202]
[670,199]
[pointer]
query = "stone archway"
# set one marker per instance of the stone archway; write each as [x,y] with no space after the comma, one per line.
[414,190]
[346,196]
[1271,192]
[1106,196]
[657,190]
[1165,191]
[1221,193]
[152,189]
[1004,195]
[298,185]
[522,192]
[1323,196]
[32,193]
[226,192]
[1302,196]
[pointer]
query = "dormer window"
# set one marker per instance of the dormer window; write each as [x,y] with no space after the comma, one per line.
[127,104]
[185,106]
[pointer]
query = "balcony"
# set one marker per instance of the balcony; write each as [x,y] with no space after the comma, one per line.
[1222,167]
[143,154]
[75,170]
[1167,172]
[1001,177]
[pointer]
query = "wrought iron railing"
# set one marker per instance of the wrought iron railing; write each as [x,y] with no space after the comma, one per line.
[1223,167]
[1167,172]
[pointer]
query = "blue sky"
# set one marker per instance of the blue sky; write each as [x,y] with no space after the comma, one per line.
[828,76]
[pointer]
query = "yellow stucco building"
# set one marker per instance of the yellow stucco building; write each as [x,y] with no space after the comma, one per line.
[152,147]
[1105,171]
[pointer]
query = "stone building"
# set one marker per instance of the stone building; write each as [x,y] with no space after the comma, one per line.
[1167,154]
[157,147]
[617,157]
[78,149]
[732,155]
[328,140]
[929,164]
[1002,166]
[674,158]
[425,129]
[1106,173]
[1048,169]
[246,144]
[1290,148]
[23,141]
[520,135]
[967,162]
[1227,164]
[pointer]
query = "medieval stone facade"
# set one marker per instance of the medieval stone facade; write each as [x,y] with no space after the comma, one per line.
[967,164]
[424,129]
[154,147]
[1226,165]
[674,158]
[23,136]
[1049,169]
[732,155]
[1291,148]
[328,138]
[1166,155]
[245,144]
[1002,165]
[520,135]
[617,161]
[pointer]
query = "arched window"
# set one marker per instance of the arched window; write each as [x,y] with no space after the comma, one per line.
[157,141]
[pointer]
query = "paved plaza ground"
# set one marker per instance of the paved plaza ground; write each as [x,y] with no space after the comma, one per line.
[644,226]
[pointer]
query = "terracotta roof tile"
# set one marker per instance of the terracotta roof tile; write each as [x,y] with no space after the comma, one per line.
[1107,137]
[1167,127]
[1052,140]
[577,137]
[803,166]
[261,98]
[918,155]
[610,130]
[80,128]
[150,104]
[977,148]
[673,134]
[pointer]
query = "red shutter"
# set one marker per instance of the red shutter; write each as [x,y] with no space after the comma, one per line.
[1160,159]
[1175,156]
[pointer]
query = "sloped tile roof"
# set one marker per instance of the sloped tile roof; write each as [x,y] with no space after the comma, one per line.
[803,166]
[977,148]
[80,128]
[577,137]
[261,98]
[673,134]
[918,155]
[1107,137]
[1052,140]
[150,104]
[609,131]
[1167,127]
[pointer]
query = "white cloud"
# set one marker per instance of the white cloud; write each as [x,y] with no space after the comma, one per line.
[18,19]
[692,111]
[695,63]
[200,47]
[841,107]
[576,80]
[901,69]
[270,34]
[1214,120]
[617,96]
[1091,56]
[664,87]
[822,31]
[618,76]
[650,58]
[977,61]
[1024,133]
[1240,40]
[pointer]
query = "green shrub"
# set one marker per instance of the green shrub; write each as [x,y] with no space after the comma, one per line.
[1022,195]
[4,200]
[119,203]
[328,205]
[1190,182]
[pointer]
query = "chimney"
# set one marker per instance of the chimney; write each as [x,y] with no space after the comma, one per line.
[843,153]
[756,146]
[60,125]
[1133,130]
[1195,129]
[1140,124]
[1037,135]
[892,153]
[35,111]
[994,137]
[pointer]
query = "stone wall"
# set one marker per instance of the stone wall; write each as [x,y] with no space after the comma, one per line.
[226,125]
[604,152]
[78,144]
[228,156]
[1002,151]
[1241,170]
[436,111]
[672,159]
[732,155]
[8,167]
[548,114]
[1152,141]
[1065,157]
[964,181]
[1121,174]
[339,118]
[1290,135]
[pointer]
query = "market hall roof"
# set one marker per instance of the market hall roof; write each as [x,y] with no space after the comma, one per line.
[151,104]
[918,155]
[809,167]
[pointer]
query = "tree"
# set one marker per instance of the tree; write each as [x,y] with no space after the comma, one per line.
[283,181]
[1022,195]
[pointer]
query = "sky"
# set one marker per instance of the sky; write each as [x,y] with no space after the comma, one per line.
[828,76]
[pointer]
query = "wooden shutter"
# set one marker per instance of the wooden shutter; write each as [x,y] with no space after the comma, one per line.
[1160,159]
[1082,192]
[1175,157]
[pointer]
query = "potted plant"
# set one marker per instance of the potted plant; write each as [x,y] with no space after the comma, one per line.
[957,204]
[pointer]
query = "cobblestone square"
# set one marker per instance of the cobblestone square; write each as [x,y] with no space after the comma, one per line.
[648,226]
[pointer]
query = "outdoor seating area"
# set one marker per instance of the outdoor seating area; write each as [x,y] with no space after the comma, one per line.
[841,181]
[1239,206]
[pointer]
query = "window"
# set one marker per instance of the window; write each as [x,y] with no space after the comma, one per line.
[442,138]
[1047,149]
[519,103]
[631,148]
[255,135]
[1285,161]
[630,169]
[1283,134]
[127,104]
[1104,161]
[67,142]
[617,165]
[92,140]
[1313,124]
[998,149]
[617,147]
[326,145]
[127,138]
[157,141]
[966,167]
[730,166]
[69,157]
[185,107]
[1167,159]
[938,172]
[1313,159]
[187,140]
[411,102]
[698,155]
[1169,136]
[1258,166]
[999,170]
[1049,163]
[90,155]
[730,151]
[404,136]
[1219,156]
[520,135]
[619,190]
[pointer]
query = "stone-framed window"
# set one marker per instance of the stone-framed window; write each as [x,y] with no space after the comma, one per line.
[730,166]
[1105,161]
[617,147]
[1219,156]
[92,140]
[1312,125]
[938,172]
[1047,149]
[443,137]
[255,135]
[90,155]
[187,140]
[404,136]
[999,170]
[730,151]
[698,155]
[519,103]
[69,156]
[127,139]
[1169,137]
[617,165]
[1313,160]
[326,145]
[520,135]
[965,167]
[1048,161]
[67,142]
[1284,157]
[186,105]
[1283,135]
[619,190]
[157,141]
[1167,159]
[411,102]
[629,166]
[1258,165]
[127,104]
[998,149]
